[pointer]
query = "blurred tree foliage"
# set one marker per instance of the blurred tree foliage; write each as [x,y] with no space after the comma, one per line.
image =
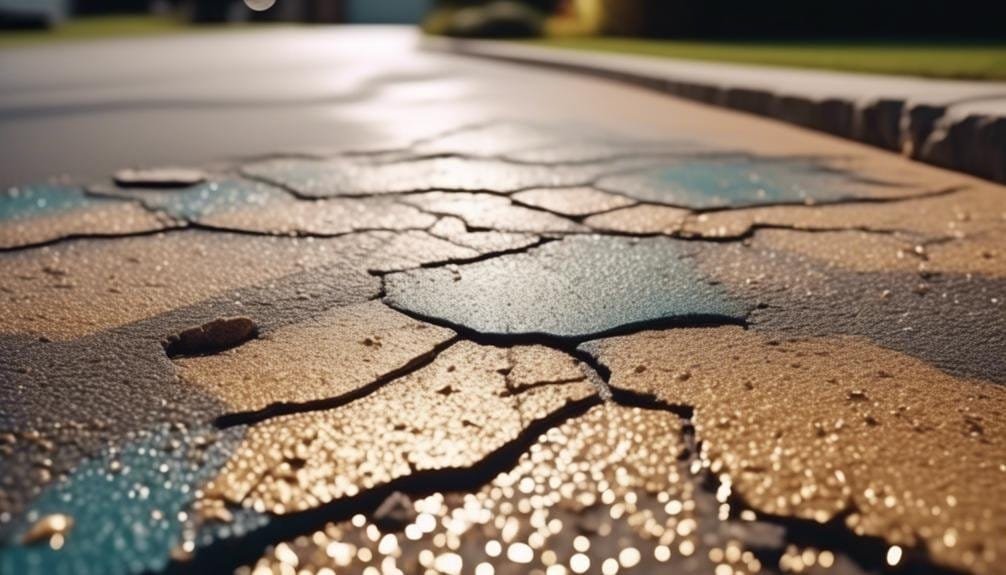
[90,7]
[543,6]
[490,18]
[801,19]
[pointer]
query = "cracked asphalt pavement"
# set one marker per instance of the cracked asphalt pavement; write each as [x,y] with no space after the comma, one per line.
[423,314]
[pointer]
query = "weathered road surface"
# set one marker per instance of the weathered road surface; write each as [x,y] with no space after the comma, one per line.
[413,313]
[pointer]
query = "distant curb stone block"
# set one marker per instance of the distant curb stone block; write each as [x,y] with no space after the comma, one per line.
[925,131]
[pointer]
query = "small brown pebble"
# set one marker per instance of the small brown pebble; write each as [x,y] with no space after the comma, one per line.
[372,341]
[857,395]
[217,335]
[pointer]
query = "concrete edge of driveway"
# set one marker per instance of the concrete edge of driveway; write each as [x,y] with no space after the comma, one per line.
[954,124]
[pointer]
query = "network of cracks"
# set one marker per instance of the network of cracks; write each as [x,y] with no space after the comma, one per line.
[508,348]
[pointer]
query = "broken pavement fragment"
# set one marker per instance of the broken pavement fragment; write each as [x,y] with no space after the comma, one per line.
[449,415]
[743,181]
[814,427]
[341,351]
[640,220]
[949,212]
[600,493]
[572,202]
[538,365]
[454,230]
[255,207]
[159,177]
[575,288]
[960,231]
[412,249]
[492,212]
[40,214]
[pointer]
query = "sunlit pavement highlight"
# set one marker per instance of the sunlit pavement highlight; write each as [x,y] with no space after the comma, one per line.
[417,313]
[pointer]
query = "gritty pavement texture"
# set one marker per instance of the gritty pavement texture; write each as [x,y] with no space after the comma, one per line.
[603,334]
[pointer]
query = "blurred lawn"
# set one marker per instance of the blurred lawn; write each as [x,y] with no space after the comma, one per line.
[936,59]
[91,28]
[103,27]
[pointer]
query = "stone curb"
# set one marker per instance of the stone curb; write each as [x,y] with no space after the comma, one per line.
[953,124]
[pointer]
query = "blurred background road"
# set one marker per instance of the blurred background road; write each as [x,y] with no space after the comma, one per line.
[88,87]
[88,109]
[91,108]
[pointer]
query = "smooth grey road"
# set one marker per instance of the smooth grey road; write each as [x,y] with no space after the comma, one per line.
[86,109]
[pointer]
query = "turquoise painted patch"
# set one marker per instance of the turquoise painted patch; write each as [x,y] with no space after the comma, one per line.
[126,519]
[211,198]
[42,200]
[739,182]
[576,288]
